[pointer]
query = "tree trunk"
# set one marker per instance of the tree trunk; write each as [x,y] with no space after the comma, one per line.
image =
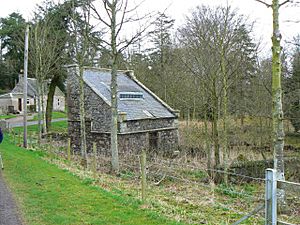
[44,129]
[114,104]
[207,144]
[215,130]
[82,119]
[277,113]
[39,105]
[50,98]
[225,99]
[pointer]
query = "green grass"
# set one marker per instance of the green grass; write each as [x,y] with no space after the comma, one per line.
[292,139]
[55,115]
[2,117]
[48,195]
[60,126]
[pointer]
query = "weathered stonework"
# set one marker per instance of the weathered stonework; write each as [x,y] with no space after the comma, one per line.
[133,135]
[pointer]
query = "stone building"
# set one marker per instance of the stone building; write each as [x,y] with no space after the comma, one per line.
[12,102]
[144,122]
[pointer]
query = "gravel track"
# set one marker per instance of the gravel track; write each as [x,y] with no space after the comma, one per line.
[8,210]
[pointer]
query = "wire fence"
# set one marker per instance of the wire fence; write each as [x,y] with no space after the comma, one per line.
[184,191]
[289,206]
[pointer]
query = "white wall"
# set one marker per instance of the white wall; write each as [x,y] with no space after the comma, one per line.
[59,103]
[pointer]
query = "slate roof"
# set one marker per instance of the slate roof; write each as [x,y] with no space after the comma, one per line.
[149,107]
[31,87]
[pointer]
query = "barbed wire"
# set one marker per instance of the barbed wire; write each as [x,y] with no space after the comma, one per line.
[213,188]
[218,171]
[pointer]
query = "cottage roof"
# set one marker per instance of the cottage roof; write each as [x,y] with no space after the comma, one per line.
[31,87]
[11,95]
[147,107]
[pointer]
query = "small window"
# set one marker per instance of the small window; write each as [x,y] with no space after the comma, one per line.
[131,95]
[58,101]
[28,101]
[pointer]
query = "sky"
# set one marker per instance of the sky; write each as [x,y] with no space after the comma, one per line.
[178,9]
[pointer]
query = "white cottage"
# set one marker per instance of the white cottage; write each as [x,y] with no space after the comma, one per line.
[13,102]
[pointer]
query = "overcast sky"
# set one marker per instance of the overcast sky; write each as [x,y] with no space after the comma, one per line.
[177,9]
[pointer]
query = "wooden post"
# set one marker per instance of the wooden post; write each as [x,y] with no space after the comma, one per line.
[95,160]
[50,145]
[69,149]
[29,144]
[143,172]
[14,137]
[19,136]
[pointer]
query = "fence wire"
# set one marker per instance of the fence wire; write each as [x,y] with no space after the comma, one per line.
[181,187]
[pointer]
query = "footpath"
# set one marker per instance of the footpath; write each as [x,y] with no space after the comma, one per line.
[8,210]
[51,196]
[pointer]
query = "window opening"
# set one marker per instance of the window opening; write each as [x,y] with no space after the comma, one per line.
[131,95]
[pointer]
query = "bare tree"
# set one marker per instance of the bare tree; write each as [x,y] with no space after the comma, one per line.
[117,15]
[277,112]
[215,43]
[82,41]
[43,55]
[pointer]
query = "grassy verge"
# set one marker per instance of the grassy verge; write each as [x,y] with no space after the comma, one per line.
[3,117]
[55,115]
[49,195]
[60,126]
[293,139]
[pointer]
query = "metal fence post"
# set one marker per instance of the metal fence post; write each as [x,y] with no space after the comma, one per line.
[271,197]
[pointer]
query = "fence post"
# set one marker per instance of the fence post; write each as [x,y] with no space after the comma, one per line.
[14,137]
[95,160]
[19,137]
[69,149]
[143,170]
[271,197]
[50,146]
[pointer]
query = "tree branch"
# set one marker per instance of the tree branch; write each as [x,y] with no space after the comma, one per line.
[287,1]
[266,4]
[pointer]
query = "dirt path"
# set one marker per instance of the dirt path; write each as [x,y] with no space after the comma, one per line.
[8,210]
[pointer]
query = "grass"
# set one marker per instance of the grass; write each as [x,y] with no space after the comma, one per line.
[59,126]
[293,139]
[3,117]
[49,195]
[55,115]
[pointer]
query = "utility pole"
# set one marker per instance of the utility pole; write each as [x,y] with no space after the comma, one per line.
[25,87]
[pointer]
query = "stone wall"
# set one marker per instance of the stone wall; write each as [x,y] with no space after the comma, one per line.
[96,109]
[257,169]
[148,124]
[128,143]
[168,139]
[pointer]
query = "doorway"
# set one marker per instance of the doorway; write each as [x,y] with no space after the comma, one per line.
[20,104]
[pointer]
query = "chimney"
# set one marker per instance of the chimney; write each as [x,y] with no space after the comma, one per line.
[130,73]
[21,76]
